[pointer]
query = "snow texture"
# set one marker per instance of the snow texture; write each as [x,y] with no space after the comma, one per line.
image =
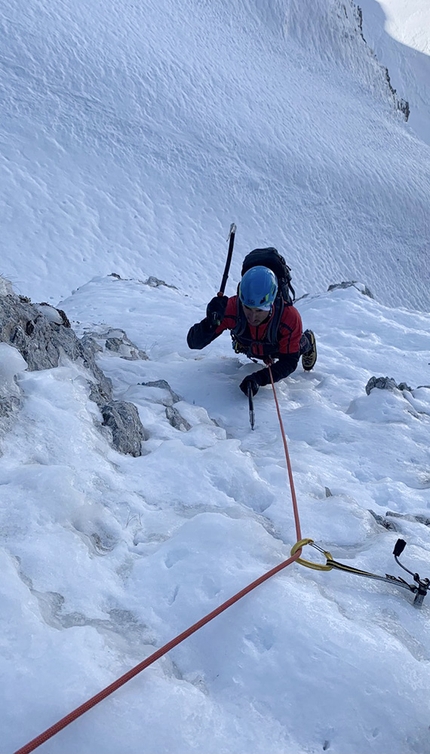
[132,135]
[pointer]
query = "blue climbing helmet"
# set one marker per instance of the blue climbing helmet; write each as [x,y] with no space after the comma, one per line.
[258,288]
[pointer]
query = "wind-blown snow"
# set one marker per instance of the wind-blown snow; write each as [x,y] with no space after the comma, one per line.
[132,136]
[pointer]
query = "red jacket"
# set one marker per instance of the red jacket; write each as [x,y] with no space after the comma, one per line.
[261,342]
[288,335]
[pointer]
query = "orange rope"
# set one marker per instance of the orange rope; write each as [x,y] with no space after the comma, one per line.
[54,729]
[287,456]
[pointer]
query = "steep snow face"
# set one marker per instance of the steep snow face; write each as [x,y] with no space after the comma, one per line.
[399,32]
[133,134]
[329,33]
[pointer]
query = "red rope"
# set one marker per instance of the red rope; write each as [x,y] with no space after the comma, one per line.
[54,729]
[287,456]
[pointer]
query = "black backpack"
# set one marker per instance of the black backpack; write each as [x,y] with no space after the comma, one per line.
[271,258]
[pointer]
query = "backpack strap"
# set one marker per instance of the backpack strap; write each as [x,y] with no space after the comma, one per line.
[285,287]
[273,329]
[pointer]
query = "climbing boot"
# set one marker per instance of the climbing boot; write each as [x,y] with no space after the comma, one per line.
[309,356]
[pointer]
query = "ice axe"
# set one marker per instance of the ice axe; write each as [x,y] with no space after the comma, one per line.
[230,239]
[251,407]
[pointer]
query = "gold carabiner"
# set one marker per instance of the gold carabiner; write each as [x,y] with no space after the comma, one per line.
[309,563]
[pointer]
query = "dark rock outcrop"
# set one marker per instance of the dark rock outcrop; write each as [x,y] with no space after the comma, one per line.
[122,418]
[352,284]
[43,336]
[176,420]
[116,340]
[385,383]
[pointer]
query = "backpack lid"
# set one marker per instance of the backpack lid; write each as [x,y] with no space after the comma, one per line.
[271,258]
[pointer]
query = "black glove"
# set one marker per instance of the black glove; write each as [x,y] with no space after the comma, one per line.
[251,380]
[215,310]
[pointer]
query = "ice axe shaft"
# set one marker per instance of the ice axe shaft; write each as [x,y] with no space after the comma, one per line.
[231,237]
[251,407]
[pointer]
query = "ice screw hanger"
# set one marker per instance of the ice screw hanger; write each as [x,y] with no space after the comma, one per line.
[420,588]
[422,585]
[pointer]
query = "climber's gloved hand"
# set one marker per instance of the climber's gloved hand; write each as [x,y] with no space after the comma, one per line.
[251,381]
[215,311]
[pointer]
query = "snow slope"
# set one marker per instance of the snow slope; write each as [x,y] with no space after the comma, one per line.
[107,557]
[132,135]
[399,33]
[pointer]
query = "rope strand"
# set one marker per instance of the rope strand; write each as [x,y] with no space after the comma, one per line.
[287,456]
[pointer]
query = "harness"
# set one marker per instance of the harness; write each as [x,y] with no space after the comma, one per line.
[242,341]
